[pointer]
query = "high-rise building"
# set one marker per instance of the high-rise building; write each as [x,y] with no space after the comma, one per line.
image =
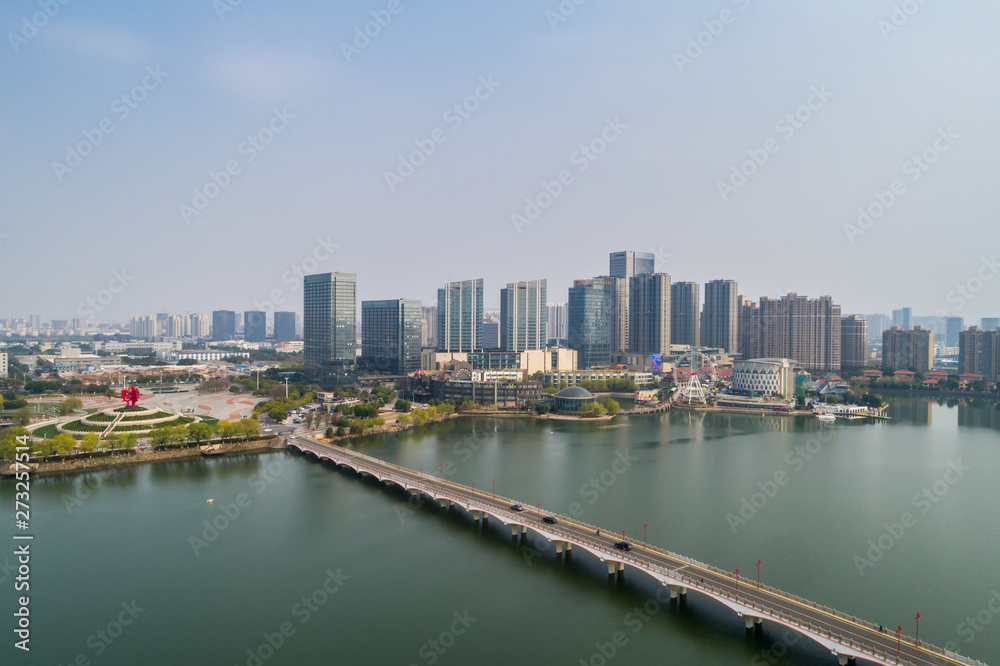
[390,335]
[161,323]
[255,326]
[142,326]
[721,315]
[176,326]
[223,325]
[748,329]
[558,323]
[625,265]
[592,314]
[429,327]
[877,324]
[3,365]
[649,313]
[989,323]
[460,316]
[953,328]
[329,328]
[802,329]
[853,342]
[199,326]
[979,353]
[908,350]
[524,317]
[284,326]
[35,320]
[685,320]
[491,332]
[903,318]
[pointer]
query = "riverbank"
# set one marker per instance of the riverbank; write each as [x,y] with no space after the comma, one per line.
[167,455]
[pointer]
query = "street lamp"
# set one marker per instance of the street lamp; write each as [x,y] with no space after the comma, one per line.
[538,513]
[899,630]
[737,574]
[918,629]
[644,527]
[441,467]
[397,460]
[494,488]
[758,574]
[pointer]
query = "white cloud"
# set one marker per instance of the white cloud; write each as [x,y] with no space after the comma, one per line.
[101,42]
[255,73]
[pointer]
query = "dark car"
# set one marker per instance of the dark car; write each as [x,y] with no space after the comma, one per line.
[549,519]
[517,507]
[623,545]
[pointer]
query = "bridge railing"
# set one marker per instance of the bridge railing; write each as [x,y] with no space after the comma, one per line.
[368,464]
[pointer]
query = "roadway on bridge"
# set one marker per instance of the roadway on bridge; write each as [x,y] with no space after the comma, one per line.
[745,590]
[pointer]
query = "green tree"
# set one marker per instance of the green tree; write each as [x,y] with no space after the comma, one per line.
[200,432]
[401,405]
[340,431]
[22,416]
[63,443]
[248,428]
[69,405]
[160,436]
[405,420]
[329,433]
[611,405]
[128,441]
[278,414]
[542,407]
[89,442]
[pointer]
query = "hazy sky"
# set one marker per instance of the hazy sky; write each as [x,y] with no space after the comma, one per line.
[114,116]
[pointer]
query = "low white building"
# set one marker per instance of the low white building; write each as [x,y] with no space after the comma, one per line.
[3,364]
[199,355]
[765,377]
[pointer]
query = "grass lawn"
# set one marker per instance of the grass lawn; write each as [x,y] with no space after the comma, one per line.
[47,431]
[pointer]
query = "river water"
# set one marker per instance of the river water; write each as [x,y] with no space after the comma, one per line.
[316,566]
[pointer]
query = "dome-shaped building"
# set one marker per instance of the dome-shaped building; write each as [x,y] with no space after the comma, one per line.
[572,398]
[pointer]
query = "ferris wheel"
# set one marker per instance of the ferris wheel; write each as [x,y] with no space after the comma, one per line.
[701,374]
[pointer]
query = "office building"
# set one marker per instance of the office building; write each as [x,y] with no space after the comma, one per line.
[989,323]
[853,342]
[142,326]
[255,326]
[979,353]
[908,350]
[593,320]
[329,327]
[491,333]
[390,336]
[223,325]
[649,313]
[626,265]
[721,316]
[198,326]
[903,318]
[802,329]
[284,326]
[748,329]
[524,316]
[953,328]
[161,323]
[460,316]
[685,319]
[877,324]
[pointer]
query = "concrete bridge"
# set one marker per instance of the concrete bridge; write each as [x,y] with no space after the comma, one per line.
[847,637]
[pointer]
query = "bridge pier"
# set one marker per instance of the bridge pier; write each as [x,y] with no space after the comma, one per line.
[674,591]
[445,503]
[563,544]
[515,530]
[476,515]
[751,621]
[614,566]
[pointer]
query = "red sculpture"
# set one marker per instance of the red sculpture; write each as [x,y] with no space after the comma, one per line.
[130,395]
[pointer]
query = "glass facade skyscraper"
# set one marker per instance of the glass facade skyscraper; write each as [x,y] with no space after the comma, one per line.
[524,316]
[329,327]
[284,326]
[592,313]
[255,326]
[460,316]
[685,320]
[390,335]
[649,313]
[223,325]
